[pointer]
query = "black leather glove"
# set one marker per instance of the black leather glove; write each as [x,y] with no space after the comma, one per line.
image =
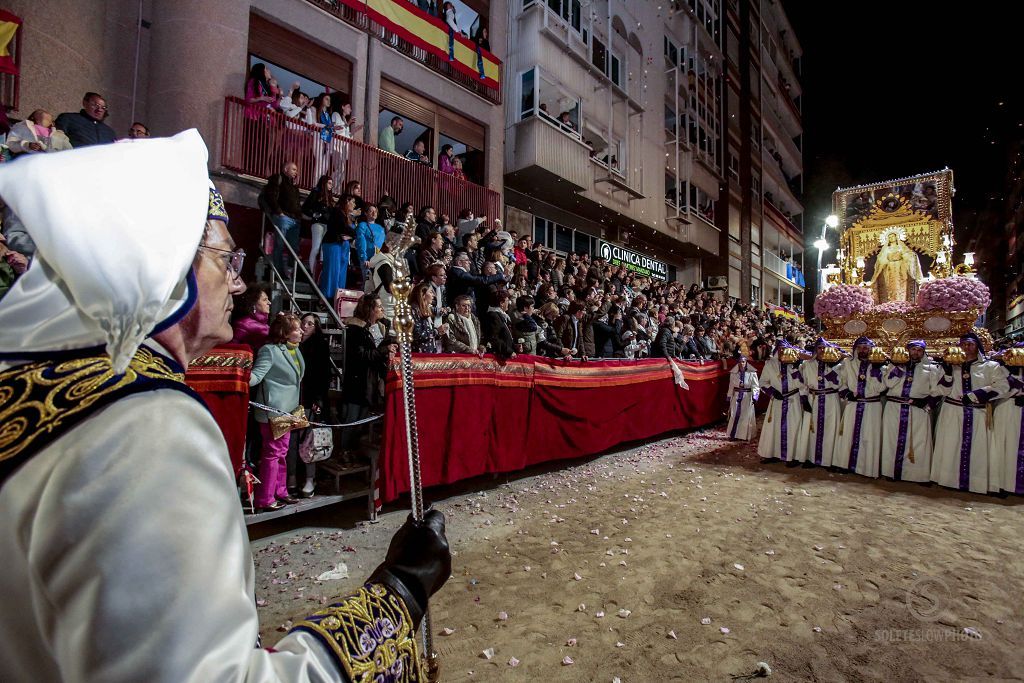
[946,367]
[1018,401]
[805,403]
[845,394]
[417,564]
[921,403]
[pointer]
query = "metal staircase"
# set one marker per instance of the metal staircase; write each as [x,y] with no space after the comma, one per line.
[301,295]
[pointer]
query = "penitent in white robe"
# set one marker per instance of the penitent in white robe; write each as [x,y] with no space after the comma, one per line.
[962,450]
[860,440]
[907,428]
[743,392]
[1008,434]
[126,558]
[820,427]
[780,430]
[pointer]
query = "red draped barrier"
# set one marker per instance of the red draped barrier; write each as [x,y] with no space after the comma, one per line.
[221,377]
[477,416]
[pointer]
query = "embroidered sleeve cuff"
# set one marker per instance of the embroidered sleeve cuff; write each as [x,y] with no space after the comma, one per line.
[983,395]
[370,635]
[896,372]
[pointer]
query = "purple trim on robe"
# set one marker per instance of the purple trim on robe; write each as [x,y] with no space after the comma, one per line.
[901,439]
[1020,457]
[819,438]
[858,416]
[784,410]
[967,430]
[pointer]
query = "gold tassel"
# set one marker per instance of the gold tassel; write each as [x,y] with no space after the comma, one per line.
[988,416]
[840,425]
[771,401]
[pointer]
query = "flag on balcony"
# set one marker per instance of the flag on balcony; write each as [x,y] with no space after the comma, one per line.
[9,25]
[432,35]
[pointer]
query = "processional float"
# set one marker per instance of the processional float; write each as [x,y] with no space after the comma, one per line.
[894,278]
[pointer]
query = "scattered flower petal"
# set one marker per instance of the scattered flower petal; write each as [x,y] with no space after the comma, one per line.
[488,653]
[567,660]
[723,629]
[502,616]
[571,642]
[447,631]
[513,662]
[624,613]
[672,635]
[705,620]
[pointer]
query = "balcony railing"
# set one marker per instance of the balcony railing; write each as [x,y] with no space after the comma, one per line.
[258,142]
[425,39]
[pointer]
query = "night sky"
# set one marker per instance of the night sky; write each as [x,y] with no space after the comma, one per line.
[897,88]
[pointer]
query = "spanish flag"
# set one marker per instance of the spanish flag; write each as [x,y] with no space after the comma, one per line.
[433,36]
[9,25]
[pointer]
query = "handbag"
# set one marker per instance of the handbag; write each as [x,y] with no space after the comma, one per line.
[317,445]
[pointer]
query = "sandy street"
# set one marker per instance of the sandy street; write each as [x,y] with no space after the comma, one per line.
[689,560]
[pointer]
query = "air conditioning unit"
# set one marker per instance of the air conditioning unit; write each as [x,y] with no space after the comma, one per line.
[718,282]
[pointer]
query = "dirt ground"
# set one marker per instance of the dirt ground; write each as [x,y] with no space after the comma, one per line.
[689,560]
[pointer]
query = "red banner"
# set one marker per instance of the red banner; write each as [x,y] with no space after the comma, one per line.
[478,416]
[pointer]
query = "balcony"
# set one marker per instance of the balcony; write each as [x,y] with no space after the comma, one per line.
[545,155]
[423,38]
[257,143]
[785,271]
[790,102]
[781,219]
[697,234]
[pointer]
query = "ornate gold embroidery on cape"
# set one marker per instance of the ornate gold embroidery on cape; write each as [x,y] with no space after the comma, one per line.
[38,398]
[371,635]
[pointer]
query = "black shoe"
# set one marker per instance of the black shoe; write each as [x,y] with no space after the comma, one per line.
[792,463]
[766,461]
[304,494]
[807,464]
[287,500]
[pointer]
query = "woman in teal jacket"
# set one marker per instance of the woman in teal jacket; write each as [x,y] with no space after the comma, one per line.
[277,373]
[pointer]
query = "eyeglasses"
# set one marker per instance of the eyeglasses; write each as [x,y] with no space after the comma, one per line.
[235,259]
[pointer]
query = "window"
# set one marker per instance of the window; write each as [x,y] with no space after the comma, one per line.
[670,122]
[697,201]
[529,97]
[542,98]
[563,239]
[671,190]
[599,55]
[734,166]
[671,52]
[472,158]
[614,158]
[755,186]
[570,11]
[615,72]
[412,132]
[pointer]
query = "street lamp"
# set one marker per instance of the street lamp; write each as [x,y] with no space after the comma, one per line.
[822,245]
[832,221]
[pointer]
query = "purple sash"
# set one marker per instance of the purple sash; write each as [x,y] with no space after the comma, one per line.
[819,438]
[967,430]
[901,439]
[784,409]
[859,415]
[739,404]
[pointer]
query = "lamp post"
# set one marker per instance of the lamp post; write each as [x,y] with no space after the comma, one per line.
[822,245]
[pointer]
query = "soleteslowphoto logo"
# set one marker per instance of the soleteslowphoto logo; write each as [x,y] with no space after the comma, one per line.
[926,597]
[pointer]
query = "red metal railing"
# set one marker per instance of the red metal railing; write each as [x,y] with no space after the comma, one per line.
[258,142]
[354,12]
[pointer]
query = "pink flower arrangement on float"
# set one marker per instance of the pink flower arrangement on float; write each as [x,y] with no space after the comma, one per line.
[894,307]
[957,293]
[841,301]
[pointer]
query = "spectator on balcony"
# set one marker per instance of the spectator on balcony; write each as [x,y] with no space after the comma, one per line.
[37,134]
[320,117]
[295,103]
[86,127]
[481,38]
[280,201]
[418,153]
[426,223]
[386,139]
[457,171]
[138,131]
[336,248]
[565,120]
[426,338]
[366,363]
[444,162]
[431,251]
[318,207]
[346,127]
[251,317]
[464,332]
[461,281]
[428,6]
[369,238]
[468,222]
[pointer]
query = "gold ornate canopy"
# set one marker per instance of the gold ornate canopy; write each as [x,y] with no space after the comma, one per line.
[916,207]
